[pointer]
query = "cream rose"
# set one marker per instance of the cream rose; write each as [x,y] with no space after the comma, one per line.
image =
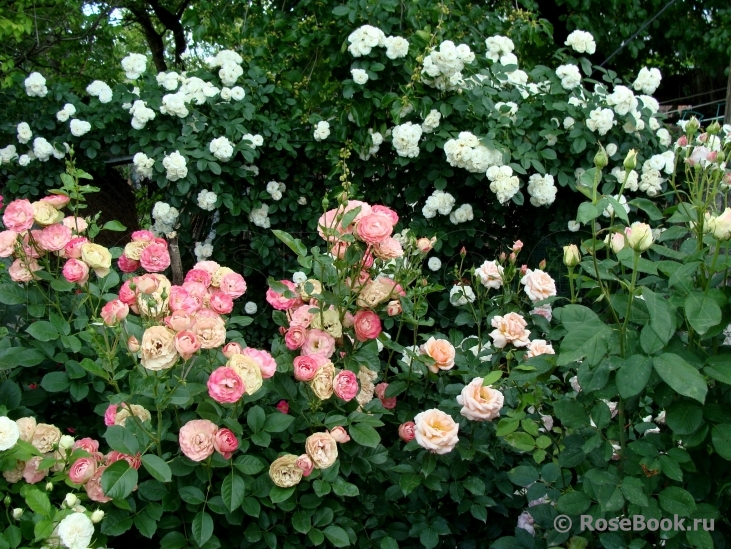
[509,329]
[322,449]
[45,214]
[366,377]
[134,249]
[141,413]
[441,351]
[45,437]
[480,403]
[539,347]
[322,383]
[284,471]
[158,348]
[538,285]
[96,257]
[211,332]
[328,321]
[316,289]
[155,304]
[374,293]
[436,431]
[26,426]
[218,275]
[248,370]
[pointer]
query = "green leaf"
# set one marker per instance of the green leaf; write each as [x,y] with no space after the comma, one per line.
[277,422]
[571,414]
[721,437]
[294,244]
[301,521]
[233,491]
[681,376]
[122,440]
[337,536]
[522,442]
[677,501]
[13,357]
[37,500]
[10,394]
[619,210]
[662,318]
[587,212]
[256,418]
[719,368]
[699,539]
[340,11]
[13,294]
[702,312]
[634,491]
[684,417]
[341,487]
[157,467]
[278,495]
[249,465]
[587,336]
[409,482]
[114,226]
[388,542]
[647,206]
[523,475]
[192,495]
[119,479]
[491,378]
[56,382]
[633,375]
[573,503]
[43,330]
[365,435]
[202,528]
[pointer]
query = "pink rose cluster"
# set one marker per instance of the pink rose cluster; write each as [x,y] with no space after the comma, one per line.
[146,251]
[35,229]
[199,438]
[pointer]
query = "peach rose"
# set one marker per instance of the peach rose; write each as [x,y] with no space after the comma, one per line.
[14,475]
[394,308]
[490,274]
[211,332]
[388,249]
[441,351]
[345,385]
[179,321]
[114,312]
[374,228]
[295,337]
[45,214]
[225,385]
[436,431]
[284,471]
[155,258]
[134,461]
[133,344]
[77,224]
[121,414]
[367,325]
[318,343]
[26,427]
[301,316]
[389,403]
[340,435]
[509,329]
[21,271]
[322,449]
[479,402]
[231,348]
[425,245]
[538,285]
[186,344]
[539,347]
[54,238]
[8,240]
[197,439]
[18,216]
[31,474]
[45,437]
[158,348]
[305,463]
[266,362]
[76,271]
[82,470]
[153,303]
[322,383]
[374,293]
[407,431]
[225,443]
[93,486]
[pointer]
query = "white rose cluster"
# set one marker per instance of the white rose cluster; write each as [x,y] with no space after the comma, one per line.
[498,47]
[176,166]
[254,140]
[101,90]
[42,149]
[664,136]
[230,63]
[79,127]
[502,182]
[322,130]
[250,308]
[541,189]
[165,217]
[632,183]
[174,104]
[660,162]
[8,154]
[197,90]
[134,65]
[569,75]
[648,80]
[634,123]
[461,295]
[439,202]
[207,200]
[396,47]
[405,139]
[622,100]
[581,42]
[143,165]
[25,159]
[363,39]
[222,148]
[468,153]
[463,214]
[204,250]
[376,141]
[24,132]
[35,85]
[444,66]
[64,114]
[168,80]
[359,76]
[275,190]
[431,122]
[260,217]
[141,114]
[600,120]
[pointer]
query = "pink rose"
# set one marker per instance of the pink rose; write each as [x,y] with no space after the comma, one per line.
[196,289]
[348,320]
[199,275]
[208,266]
[318,343]
[266,362]
[283,406]
[388,212]
[197,438]
[18,216]
[305,367]
[133,344]
[225,385]
[206,312]
[367,325]
[179,321]
[682,141]
[127,265]
[8,239]
[93,486]
[114,312]
[87,444]
[110,415]
[181,300]
[31,247]
[54,237]
[146,284]
[295,337]
[186,343]
[73,247]
[278,301]
[221,302]
[302,316]
[225,443]
[374,228]
[425,245]
[23,272]
[126,293]
[393,308]
[388,249]
[155,258]
[517,246]
[77,224]
[233,284]
[329,226]
[407,431]
[31,474]
[134,461]
[82,470]
[58,201]
[340,435]
[231,348]
[389,403]
[345,385]
[143,236]
[305,463]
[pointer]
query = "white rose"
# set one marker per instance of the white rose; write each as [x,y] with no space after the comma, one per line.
[9,433]
[79,127]
[76,531]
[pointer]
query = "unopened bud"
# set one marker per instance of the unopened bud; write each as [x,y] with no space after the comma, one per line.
[682,141]
[425,245]
[7,501]
[66,442]
[97,516]
[325,203]
[630,161]
[692,126]
[720,157]
[503,257]
[463,251]
[712,156]
[523,269]
[133,344]
[571,255]
[714,128]
[512,257]
[49,486]
[70,500]
[424,282]
[600,158]
[17,513]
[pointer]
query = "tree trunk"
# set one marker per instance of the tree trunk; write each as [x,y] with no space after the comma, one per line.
[727,116]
